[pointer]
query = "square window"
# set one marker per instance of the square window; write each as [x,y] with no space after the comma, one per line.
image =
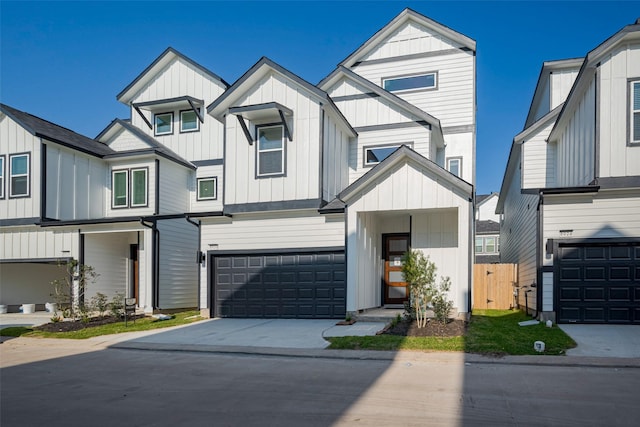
[164,124]
[490,244]
[635,113]
[189,121]
[120,188]
[207,188]
[139,187]
[270,149]
[374,155]
[419,81]
[19,175]
[454,165]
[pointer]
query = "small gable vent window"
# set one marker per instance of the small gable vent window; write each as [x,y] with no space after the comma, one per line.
[402,83]
[635,113]
[189,121]
[19,175]
[374,155]
[207,188]
[164,124]
[270,151]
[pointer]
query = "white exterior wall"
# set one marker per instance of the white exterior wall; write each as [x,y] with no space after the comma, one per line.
[561,83]
[518,236]
[125,141]
[543,105]
[175,182]
[28,283]
[335,155]
[108,254]
[76,184]
[33,242]
[207,205]
[616,158]
[461,145]
[487,210]
[538,160]
[576,146]
[151,188]
[178,278]
[182,79]
[302,170]
[14,139]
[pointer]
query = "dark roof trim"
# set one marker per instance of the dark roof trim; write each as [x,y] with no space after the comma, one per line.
[366,95]
[570,190]
[273,206]
[413,56]
[387,126]
[169,101]
[334,206]
[19,221]
[258,107]
[114,220]
[204,214]
[210,162]
[306,250]
[35,260]
[158,59]
[620,182]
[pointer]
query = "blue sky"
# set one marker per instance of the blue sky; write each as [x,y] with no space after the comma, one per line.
[66,61]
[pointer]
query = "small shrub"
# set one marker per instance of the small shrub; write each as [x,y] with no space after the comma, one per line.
[116,306]
[441,305]
[56,318]
[100,303]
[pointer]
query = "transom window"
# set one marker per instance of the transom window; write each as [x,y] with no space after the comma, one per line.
[208,188]
[120,188]
[376,154]
[635,112]
[19,175]
[138,187]
[454,165]
[270,150]
[164,124]
[189,121]
[402,83]
[2,177]
[487,245]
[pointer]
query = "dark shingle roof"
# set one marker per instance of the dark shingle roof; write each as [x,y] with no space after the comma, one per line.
[52,132]
[487,227]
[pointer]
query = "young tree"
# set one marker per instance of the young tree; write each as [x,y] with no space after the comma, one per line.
[69,290]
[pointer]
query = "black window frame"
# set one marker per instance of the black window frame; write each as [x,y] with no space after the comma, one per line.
[631,111]
[283,173]
[146,185]
[215,187]
[3,176]
[10,174]
[409,76]
[366,148]
[155,124]
[113,191]
[197,129]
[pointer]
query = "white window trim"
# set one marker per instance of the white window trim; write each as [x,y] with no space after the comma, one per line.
[12,175]
[113,189]
[155,124]
[448,164]
[484,245]
[632,112]
[197,128]
[3,169]
[215,188]
[146,187]
[270,150]
[406,76]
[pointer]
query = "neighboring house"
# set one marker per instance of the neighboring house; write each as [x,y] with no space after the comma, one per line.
[286,199]
[487,237]
[571,191]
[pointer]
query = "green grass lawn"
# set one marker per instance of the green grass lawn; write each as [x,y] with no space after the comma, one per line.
[145,324]
[494,332]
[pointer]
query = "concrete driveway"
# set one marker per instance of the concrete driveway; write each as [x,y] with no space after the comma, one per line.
[21,319]
[604,340]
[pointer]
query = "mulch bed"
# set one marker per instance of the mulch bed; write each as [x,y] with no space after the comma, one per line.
[77,325]
[409,328]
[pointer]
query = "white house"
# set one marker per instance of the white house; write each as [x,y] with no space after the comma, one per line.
[571,191]
[274,197]
[487,231]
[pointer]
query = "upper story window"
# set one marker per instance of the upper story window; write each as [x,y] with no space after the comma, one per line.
[454,165]
[139,187]
[189,121]
[270,150]
[412,82]
[2,177]
[375,154]
[488,245]
[164,124]
[19,171]
[634,137]
[207,188]
[120,188]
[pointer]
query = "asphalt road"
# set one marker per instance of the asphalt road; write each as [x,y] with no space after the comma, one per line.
[66,384]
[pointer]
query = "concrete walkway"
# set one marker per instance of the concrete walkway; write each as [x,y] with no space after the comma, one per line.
[604,340]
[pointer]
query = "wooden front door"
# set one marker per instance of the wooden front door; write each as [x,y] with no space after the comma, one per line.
[396,290]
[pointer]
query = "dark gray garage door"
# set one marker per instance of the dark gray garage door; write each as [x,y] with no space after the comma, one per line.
[598,283]
[279,285]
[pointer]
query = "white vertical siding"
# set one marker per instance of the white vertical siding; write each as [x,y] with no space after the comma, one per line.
[108,254]
[538,160]
[206,205]
[576,145]
[151,188]
[76,184]
[175,182]
[180,78]
[461,145]
[33,242]
[561,83]
[178,279]
[487,210]
[15,139]
[302,179]
[368,267]
[616,158]
[335,169]
[543,104]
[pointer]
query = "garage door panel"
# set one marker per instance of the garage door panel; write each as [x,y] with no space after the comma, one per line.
[620,273]
[621,253]
[594,294]
[290,285]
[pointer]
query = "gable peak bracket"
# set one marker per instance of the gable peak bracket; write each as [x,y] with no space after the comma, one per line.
[195,110]
[287,132]
[135,107]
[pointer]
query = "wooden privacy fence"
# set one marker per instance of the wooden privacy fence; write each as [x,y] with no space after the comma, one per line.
[493,286]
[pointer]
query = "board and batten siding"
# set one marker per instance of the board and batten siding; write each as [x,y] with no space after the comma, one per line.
[175,181]
[616,158]
[575,148]
[14,139]
[543,103]
[561,84]
[34,242]
[452,102]
[518,236]
[302,164]
[151,188]
[538,160]
[207,205]
[335,170]
[180,78]
[76,184]
[178,278]
[108,254]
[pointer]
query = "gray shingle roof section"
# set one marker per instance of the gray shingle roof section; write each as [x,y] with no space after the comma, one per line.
[482,197]
[52,132]
[487,227]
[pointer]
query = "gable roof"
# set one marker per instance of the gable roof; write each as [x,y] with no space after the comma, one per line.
[404,16]
[482,198]
[55,133]
[402,153]
[343,72]
[156,147]
[155,67]
[218,107]
[487,226]
[588,70]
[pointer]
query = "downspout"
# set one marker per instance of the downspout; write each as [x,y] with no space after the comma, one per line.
[197,224]
[155,262]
